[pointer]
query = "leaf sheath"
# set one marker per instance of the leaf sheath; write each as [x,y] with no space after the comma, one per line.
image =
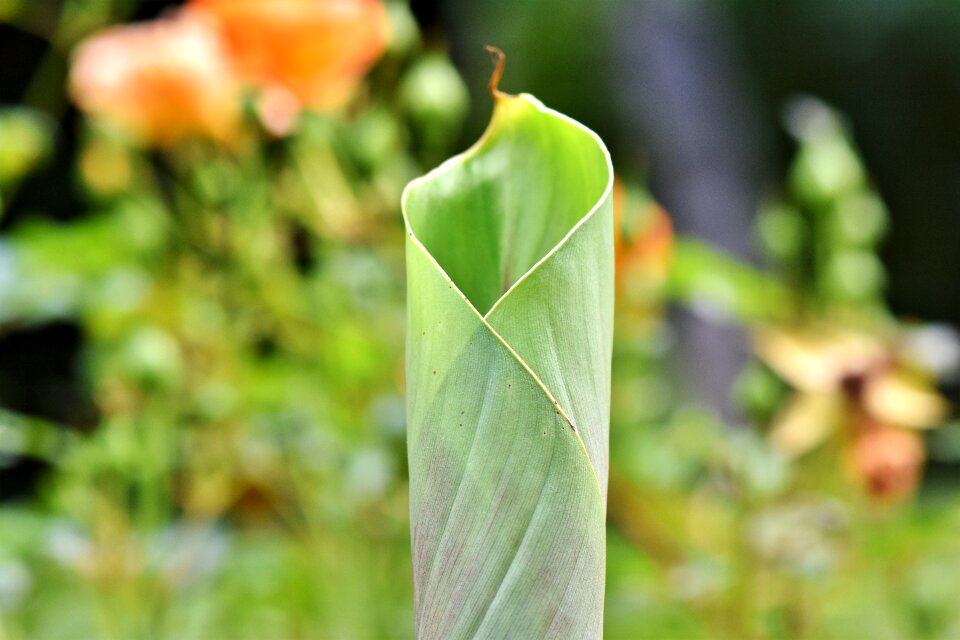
[510,307]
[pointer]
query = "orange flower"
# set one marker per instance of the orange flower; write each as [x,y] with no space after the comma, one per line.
[643,236]
[887,460]
[161,81]
[309,53]
[859,382]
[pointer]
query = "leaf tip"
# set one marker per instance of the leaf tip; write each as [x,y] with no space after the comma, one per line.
[499,61]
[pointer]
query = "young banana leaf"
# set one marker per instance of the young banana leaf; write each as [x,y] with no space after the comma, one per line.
[510,321]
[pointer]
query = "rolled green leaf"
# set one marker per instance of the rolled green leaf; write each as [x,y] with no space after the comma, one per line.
[509,339]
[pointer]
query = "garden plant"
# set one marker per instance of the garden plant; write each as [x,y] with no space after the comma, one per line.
[307,334]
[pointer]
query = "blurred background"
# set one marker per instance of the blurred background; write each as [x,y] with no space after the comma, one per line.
[202,307]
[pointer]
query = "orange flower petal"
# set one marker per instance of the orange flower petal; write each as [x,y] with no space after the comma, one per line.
[317,50]
[887,461]
[643,237]
[160,81]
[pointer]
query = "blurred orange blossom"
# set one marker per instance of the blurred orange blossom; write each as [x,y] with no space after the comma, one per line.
[643,236]
[159,81]
[861,382]
[301,53]
[886,460]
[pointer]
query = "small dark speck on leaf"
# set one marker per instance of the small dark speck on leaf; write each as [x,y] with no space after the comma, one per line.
[434,373]
[509,386]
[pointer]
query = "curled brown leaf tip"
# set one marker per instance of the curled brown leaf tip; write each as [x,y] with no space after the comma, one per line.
[499,60]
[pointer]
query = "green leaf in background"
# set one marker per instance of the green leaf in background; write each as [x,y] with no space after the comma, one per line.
[718,285]
[27,140]
[509,339]
[27,136]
